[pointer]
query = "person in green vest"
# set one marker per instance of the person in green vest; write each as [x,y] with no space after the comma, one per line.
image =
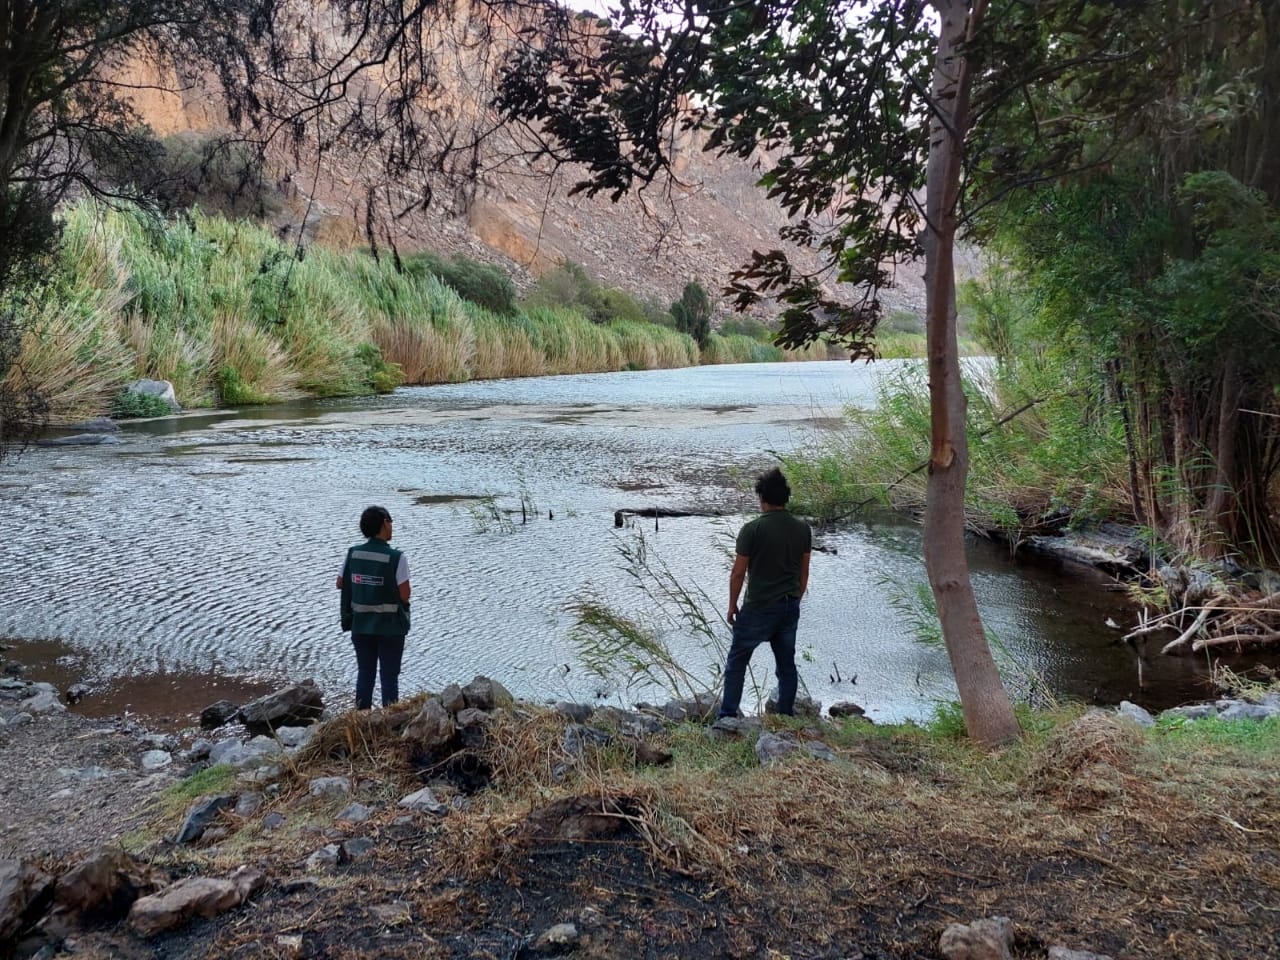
[374,581]
[772,557]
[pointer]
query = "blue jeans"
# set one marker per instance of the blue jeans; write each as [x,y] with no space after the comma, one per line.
[776,626]
[381,655]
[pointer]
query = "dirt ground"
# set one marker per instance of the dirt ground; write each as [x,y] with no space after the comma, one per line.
[1088,835]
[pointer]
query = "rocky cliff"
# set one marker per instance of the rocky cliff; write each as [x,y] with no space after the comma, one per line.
[516,211]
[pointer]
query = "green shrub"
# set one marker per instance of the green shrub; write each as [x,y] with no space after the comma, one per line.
[130,405]
[381,376]
[481,283]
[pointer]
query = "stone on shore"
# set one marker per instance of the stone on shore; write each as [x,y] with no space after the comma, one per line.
[192,897]
[297,705]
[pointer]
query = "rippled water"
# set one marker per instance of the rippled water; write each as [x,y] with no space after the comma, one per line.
[210,542]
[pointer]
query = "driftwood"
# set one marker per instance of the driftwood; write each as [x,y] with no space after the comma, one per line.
[1223,621]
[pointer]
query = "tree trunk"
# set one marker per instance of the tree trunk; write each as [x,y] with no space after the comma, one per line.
[988,713]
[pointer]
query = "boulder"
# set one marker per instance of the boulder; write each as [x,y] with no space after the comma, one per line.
[577,712]
[424,801]
[1062,953]
[432,729]
[330,787]
[153,760]
[560,938]
[201,816]
[156,388]
[193,897]
[804,706]
[217,714]
[733,728]
[1136,713]
[485,694]
[845,708]
[451,698]
[80,440]
[25,894]
[770,748]
[297,705]
[102,887]
[986,939]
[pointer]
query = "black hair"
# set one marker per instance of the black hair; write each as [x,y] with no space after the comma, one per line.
[773,489]
[371,520]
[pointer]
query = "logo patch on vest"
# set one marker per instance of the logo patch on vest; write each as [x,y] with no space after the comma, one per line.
[365,579]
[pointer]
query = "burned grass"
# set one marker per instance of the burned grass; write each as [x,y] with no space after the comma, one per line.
[1090,834]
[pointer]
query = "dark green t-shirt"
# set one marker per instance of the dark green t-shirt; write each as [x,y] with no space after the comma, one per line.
[774,543]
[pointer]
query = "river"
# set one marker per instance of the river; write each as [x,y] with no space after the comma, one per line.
[205,546]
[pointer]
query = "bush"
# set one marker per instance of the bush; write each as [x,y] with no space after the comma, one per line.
[130,405]
[481,283]
[747,327]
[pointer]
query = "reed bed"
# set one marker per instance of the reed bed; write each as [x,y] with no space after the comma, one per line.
[229,314]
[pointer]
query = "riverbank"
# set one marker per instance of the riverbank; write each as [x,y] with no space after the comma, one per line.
[230,314]
[608,833]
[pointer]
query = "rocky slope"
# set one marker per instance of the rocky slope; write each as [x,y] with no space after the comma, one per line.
[517,212]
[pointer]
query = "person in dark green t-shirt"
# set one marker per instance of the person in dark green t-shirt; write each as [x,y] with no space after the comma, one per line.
[773,559]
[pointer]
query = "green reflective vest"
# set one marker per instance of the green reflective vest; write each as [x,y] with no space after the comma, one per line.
[370,595]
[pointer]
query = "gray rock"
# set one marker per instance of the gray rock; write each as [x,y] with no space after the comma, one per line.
[424,801]
[25,893]
[734,728]
[295,738]
[432,729]
[451,698]
[845,709]
[203,813]
[78,691]
[578,737]
[217,714]
[354,813]
[21,719]
[1062,953]
[199,750]
[80,440]
[577,712]
[1195,711]
[99,889]
[193,897]
[328,857]
[273,820]
[330,787]
[485,694]
[264,746]
[987,939]
[43,702]
[700,708]
[804,706]
[357,848]
[297,705]
[1246,711]
[158,741]
[1136,713]
[154,760]
[819,751]
[247,804]
[156,388]
[770,748]
[561,938]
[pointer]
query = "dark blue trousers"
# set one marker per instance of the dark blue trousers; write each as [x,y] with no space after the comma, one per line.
[380,655]
[776,626]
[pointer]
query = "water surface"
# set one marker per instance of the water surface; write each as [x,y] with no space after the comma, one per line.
[209,543]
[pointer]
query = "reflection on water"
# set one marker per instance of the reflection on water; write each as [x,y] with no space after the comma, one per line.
[209,543]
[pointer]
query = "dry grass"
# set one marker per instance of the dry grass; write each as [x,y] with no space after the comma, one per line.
[902,834]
